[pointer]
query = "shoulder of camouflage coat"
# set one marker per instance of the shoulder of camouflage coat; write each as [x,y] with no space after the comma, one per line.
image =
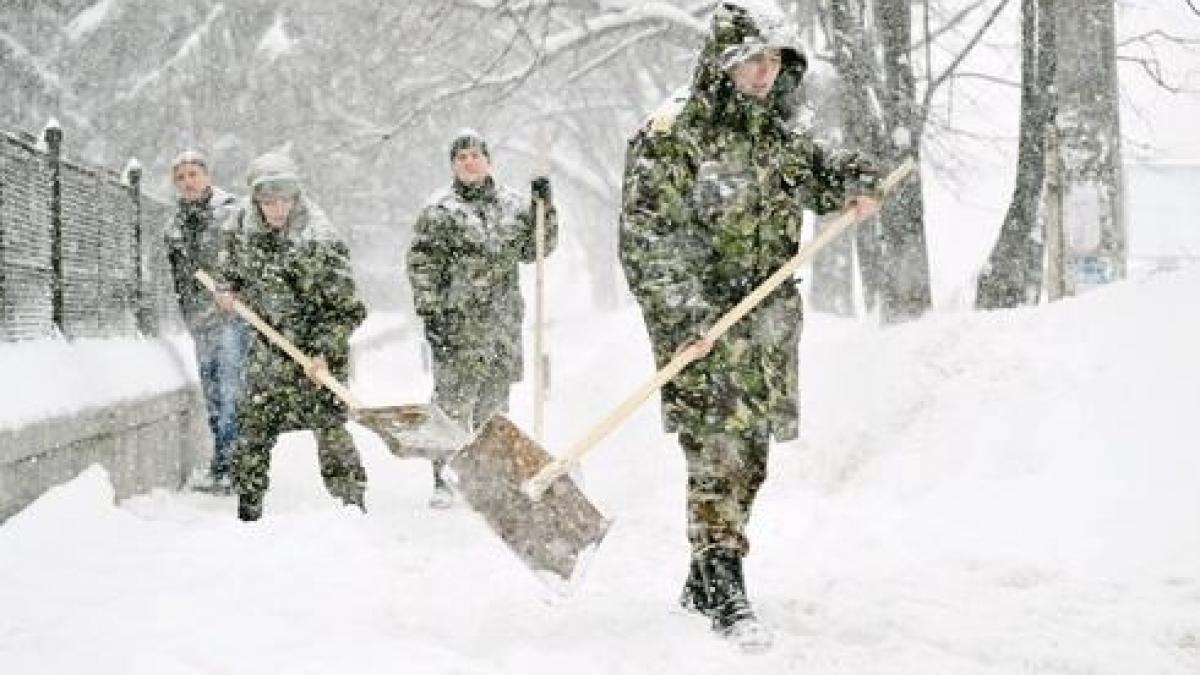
[441,204]
[510,199]
[662,119]
[316,226]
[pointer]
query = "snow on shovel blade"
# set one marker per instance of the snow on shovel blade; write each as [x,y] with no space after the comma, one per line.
[414,430]
[553,535]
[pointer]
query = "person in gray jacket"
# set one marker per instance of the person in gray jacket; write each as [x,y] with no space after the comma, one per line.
[193,237]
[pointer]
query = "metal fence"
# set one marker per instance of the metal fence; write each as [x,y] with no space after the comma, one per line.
[81,249]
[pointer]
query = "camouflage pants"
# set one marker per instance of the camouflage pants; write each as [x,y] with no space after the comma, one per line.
[469,389]
[725,470]
[341,469]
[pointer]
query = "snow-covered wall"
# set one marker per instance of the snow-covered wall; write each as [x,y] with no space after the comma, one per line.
[130,404]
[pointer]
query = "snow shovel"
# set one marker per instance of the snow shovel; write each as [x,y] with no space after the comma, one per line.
[409,431]
[526,495]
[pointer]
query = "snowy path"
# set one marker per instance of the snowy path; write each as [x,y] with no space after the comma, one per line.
[1008,497]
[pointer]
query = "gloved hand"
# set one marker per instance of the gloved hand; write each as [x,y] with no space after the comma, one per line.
[863,175]
[539,188]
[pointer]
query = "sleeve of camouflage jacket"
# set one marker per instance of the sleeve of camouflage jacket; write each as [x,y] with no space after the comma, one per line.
[229,273]
[663,249]
[832,176]
[332,308]
[527,241]
[428,263]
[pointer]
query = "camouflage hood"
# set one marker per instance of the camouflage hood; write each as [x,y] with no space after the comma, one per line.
[275,172]
[739,31]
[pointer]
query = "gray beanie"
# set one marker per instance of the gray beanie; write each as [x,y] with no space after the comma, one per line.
[190,157]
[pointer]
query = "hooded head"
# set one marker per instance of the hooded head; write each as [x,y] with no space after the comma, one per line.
[273,174]
[740,31]
[274,188]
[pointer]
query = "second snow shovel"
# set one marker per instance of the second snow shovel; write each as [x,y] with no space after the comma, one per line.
[525,493]
[412,430]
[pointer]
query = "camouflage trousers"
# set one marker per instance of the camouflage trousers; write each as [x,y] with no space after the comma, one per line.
[341,469]
[469,389]
[725,470]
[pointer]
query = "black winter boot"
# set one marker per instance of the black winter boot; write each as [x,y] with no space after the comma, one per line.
[732,616]
[250,508]
[694,596]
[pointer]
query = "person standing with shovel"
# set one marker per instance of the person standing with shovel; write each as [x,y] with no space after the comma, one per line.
[713,200]
[467,245]
[284,259]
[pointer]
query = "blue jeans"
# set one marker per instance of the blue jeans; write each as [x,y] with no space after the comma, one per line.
[221,355]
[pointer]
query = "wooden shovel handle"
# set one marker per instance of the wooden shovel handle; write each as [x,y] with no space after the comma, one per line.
[536,485]
[329,381]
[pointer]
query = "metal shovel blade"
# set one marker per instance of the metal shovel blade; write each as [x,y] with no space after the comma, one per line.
[413,430]
[553,535]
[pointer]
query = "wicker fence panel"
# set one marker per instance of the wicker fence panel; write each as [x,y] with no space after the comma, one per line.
[25,264]
[102,272]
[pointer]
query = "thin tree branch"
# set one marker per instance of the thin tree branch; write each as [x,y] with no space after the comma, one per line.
[962,55]
[1146,38]
[948,26]
[1153,70]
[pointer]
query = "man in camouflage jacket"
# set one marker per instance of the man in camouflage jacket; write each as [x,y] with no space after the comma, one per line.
[193,238]
[714,192]
[286,262]
[463,269]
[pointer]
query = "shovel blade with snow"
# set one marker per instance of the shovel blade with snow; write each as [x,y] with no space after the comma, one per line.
[413,430]
[552,535]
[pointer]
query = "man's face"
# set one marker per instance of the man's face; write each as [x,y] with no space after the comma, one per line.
[275,209]
[191,181]
[756,75]
[471,165]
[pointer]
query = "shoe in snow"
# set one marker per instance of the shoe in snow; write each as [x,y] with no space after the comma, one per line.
[250,508]
[442,498]
[694,596]
[215,485]
[732,616]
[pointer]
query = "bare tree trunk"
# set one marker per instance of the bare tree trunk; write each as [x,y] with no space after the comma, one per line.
[1013,274]
[1057,285]
[863,129]
[906,291]
[1089,127]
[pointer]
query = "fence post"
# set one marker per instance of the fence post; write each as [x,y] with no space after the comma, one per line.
[53,135]
[133,178]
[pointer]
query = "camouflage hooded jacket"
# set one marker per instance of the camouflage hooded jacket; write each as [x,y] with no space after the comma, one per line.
[463,269]
[193,238]
[299,281]
[714,192]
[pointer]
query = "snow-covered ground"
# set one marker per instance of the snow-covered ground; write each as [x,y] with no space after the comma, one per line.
[1014,492]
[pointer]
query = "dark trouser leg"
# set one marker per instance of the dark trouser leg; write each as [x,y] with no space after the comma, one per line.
[455,391]
[725,472]
[252,461]
[492,398]
[341,469]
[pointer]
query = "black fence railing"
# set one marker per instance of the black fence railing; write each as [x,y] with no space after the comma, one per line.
[81,248]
